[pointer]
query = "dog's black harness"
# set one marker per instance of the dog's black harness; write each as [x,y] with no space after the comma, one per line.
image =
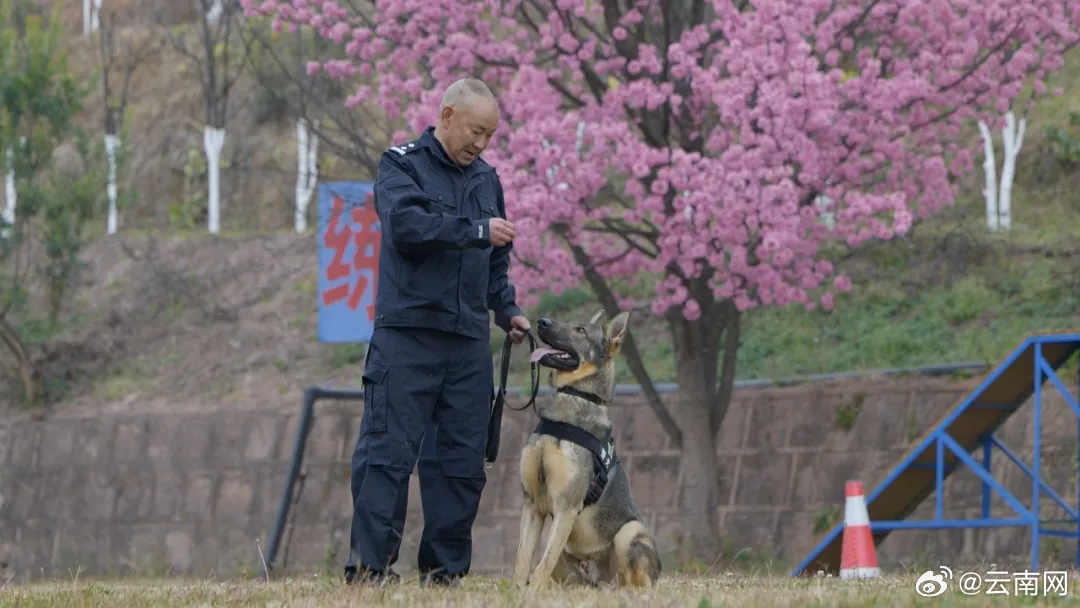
[603,450]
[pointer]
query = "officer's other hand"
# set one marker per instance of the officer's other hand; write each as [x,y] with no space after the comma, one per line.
[500,232]
[518,326]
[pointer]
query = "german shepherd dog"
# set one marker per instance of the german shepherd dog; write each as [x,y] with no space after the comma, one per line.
[557,473]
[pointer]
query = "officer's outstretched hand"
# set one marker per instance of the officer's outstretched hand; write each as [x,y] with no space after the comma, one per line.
[518,326]
[500,232]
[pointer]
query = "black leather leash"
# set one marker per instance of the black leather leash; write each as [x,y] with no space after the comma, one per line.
[498,401]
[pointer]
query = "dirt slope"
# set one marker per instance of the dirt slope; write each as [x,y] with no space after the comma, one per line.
[194,320]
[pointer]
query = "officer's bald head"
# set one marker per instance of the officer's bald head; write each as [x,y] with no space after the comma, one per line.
[468,117]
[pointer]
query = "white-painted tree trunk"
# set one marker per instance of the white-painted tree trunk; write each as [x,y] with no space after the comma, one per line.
[827,217]
[213,142]
[9,192]
[990,173]
[1013,137]
[91,15]
[307,170]
[112,143]
[215,11]
[999,206]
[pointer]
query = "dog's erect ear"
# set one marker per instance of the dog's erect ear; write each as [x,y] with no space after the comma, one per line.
[596,318]
[615,332]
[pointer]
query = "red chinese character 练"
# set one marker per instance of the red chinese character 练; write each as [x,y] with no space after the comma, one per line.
[337,237]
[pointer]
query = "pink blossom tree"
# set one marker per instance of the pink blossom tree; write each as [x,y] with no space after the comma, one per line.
[698,143]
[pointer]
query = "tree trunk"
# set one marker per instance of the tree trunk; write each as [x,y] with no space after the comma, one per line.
[700,410]
[10,338]
[699,474]
[213,142]
[112,143]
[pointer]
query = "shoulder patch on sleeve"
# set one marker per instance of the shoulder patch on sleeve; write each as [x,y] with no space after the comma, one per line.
[404,149]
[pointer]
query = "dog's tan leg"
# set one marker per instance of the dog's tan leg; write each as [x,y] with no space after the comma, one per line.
[635,559]
[532,524]
[561,525]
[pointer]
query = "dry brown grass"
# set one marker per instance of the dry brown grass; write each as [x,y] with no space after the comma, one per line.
[730,590]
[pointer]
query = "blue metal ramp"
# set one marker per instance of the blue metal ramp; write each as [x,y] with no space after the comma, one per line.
[969,425]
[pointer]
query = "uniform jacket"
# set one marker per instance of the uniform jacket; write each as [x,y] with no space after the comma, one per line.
[437,268]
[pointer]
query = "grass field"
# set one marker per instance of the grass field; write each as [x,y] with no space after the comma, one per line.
[725,590]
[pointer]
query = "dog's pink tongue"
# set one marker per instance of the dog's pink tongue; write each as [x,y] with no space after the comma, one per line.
[540,352]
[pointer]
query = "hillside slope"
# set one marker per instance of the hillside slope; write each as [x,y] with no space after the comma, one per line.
[186,317]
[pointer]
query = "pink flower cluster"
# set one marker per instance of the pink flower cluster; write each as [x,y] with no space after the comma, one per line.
[705,155]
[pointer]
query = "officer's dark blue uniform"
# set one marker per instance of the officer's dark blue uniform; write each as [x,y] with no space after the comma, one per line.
[429,375]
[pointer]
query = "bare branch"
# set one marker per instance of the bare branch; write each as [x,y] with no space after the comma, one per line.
[130,57]
[633,356]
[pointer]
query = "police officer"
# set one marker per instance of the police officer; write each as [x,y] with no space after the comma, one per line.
[428,378]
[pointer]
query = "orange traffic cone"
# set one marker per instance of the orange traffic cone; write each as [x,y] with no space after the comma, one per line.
[858,559]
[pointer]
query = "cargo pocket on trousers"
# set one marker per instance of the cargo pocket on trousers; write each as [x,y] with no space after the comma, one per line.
[374,419]
[462,464]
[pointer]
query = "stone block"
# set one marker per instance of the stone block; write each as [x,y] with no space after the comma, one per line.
[263,438]
[321,484]
[142,548]
[234,500]
[57,441]
[269,488]
[208,551]
[53,502]
[308,548]
[73,547]
[797,533]
[180,549]
[809,424]
[288,437]
[491,547]
[92,441]
[338,493]
[24,446]
[99,495]
[875,426]
[727,466]
[21,497]
[129,441]
[169,494]
[730,437]
[193,441]
[198,500]
[763,479]
[326,442]
[637,426]
[667,529]
[769,424]
[229,437]
[651,480]
[6,439]
[820,478]
[744,530]
[133,493]
[510,497]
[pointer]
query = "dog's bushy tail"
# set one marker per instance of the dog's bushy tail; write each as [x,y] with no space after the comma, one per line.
[638,561]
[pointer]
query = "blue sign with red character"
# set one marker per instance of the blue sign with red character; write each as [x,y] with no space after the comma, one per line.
[348,236]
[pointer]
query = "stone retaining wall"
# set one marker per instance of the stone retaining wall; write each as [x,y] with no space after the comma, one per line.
[195,492]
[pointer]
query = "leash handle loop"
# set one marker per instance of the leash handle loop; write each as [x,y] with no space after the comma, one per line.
[499,397]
